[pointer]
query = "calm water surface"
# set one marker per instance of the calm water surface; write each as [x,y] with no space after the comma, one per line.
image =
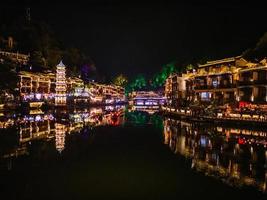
[116,153]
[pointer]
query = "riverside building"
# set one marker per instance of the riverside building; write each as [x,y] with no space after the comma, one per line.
[233,81]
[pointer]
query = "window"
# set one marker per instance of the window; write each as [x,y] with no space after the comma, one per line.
[214,83]
[205,96]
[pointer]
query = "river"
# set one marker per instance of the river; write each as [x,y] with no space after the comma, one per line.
[116,153]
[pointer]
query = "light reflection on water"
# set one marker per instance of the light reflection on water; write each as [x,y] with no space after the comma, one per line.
[236,156]
[18,131]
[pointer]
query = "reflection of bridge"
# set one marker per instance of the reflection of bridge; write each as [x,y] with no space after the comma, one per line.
[148,109]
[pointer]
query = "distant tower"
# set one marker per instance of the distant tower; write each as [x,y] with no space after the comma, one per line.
[60,130]
[61,86]
[28,14]
[10,42]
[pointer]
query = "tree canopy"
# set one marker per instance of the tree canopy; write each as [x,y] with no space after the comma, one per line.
[9,78]
[259,51]
[120,80]
[138,83]
[38,39]
[159,79]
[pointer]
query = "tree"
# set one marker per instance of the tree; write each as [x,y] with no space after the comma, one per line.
[120,80]
[8,77]
[37,61]
[159,79]
[38,39]
[189,67]
[259,51]
[139,83]
[53,58]
[73,58]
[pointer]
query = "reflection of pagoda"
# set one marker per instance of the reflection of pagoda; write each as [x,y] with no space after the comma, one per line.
[60,136]
[61,86]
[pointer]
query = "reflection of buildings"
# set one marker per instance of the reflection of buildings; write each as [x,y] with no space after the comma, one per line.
[6,123]
[29,128]
[148,109]
[235,156]
[111,115]
[60,130]
[33,127]
[44,127]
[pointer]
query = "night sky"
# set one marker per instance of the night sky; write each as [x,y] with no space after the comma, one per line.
[133,38]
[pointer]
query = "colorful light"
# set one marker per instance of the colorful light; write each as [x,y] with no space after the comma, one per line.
[61,86]
[60,136]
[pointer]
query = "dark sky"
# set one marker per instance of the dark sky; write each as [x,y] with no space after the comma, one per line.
[134,38]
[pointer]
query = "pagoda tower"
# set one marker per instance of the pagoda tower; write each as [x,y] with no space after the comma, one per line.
[61,86]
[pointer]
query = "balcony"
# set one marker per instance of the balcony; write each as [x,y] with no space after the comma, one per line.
[225,86]
[252,82]
[246,98]
[244,82]
[260,82]
[211,87]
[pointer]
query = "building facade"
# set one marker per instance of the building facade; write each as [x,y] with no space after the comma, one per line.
[42,86]
[15,57]
[106,93]
[232,81]
[252,84]
[216,81]
[36,85]
[175,89]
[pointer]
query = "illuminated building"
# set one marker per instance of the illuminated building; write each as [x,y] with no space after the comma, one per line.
[225,81]
[175,89]
[168,89]
[42,86]
[61,86]
[75,85]
[36,85]
[106,94]
[15,57]
[252,84]
[56,88]
[216,80]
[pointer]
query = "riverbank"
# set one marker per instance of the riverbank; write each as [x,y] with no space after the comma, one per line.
[28,106]
[219,119]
